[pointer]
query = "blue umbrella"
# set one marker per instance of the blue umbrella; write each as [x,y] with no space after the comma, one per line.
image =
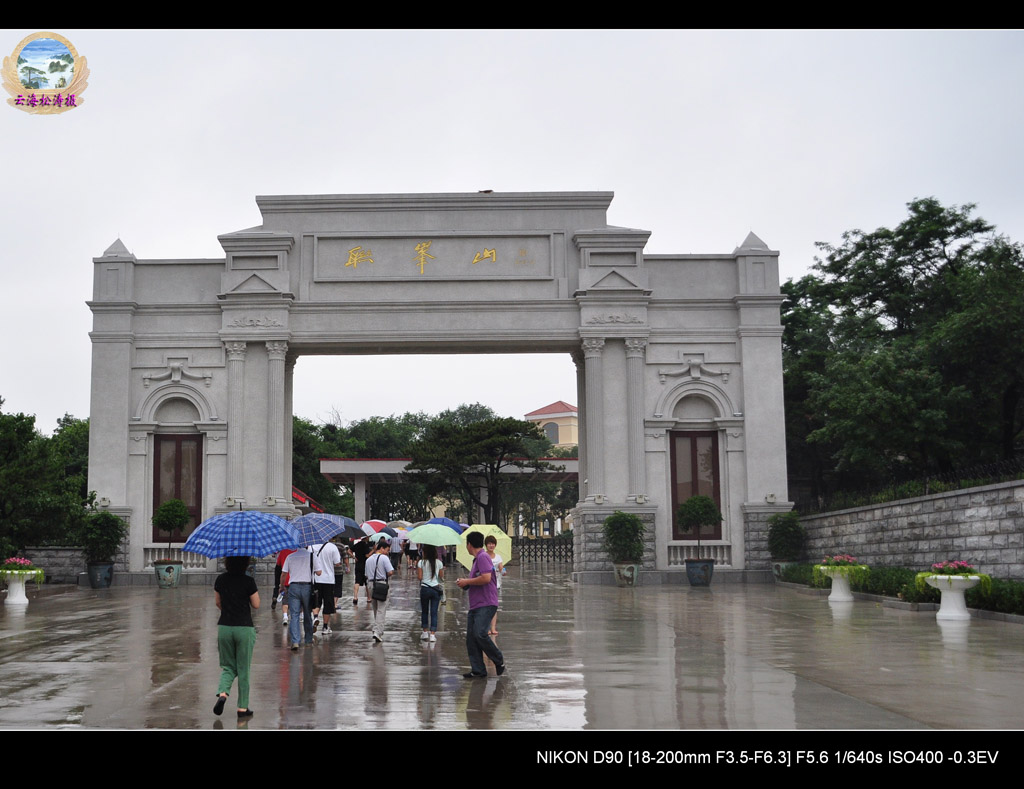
[449,523]
[317,528]
[242,533]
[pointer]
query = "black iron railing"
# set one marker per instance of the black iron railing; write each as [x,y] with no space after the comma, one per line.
[958,479]
[542,550]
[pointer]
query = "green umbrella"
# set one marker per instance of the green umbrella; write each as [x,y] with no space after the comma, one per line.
[434,534]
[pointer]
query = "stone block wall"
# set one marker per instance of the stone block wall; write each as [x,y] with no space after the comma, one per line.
[588,538]
[983,526]
[62,564]
[755,547]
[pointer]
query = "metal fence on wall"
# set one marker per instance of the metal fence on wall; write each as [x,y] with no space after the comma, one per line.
[896,489]
[542,550]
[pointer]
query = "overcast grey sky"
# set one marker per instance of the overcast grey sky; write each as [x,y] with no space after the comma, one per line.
[703,137]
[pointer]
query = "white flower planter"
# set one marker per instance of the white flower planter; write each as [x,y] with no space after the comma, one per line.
[840,583]
[16,586]
[952,587]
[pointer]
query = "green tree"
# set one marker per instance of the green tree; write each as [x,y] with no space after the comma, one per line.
[470,458]
[33,78]
[375,437]
[39,502]
[70,444]
[902,351]
[308,446]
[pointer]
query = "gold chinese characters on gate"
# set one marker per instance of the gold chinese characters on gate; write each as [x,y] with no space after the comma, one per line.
[421,256]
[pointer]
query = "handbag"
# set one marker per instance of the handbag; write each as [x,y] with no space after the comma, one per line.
[379,591]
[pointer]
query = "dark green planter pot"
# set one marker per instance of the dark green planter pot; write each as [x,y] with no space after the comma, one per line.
[168,574]
[698,571]
[626,574]
[101,574]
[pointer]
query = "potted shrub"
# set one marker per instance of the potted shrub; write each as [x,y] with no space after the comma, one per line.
[786,539]
[624,541]
[171,516]
[695,513]
[840,567]
[101,537]
[952,578]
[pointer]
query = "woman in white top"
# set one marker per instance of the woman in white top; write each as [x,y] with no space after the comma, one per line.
[431,574]
[490,543]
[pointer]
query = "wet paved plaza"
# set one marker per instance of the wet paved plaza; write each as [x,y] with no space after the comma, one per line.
[579,657]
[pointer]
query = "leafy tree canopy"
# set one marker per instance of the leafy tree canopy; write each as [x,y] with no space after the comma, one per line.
[40,501]
[469,458]
[903,351]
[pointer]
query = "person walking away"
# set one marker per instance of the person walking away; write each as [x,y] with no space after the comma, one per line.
[483,604]
[431,574]
[361,550]
[236,596]
[396,552]
[490,543]
[338,579]
[326,558]
[378,570]
[299,567]
[279,587]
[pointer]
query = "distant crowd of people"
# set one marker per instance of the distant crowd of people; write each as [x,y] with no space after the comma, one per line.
[308,585]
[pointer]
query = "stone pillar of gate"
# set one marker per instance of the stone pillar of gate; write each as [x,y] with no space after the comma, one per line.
[113,306]
[289,385]
[760,351]
[635,347]
[255,299]
[235,352]
[593,347]
[359,493]
[613,295]
[581,399]
[277,350]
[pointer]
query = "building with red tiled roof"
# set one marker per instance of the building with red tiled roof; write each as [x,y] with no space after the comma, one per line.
[559,421]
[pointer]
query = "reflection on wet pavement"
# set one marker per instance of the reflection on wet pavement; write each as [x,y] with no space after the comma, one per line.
[580,657]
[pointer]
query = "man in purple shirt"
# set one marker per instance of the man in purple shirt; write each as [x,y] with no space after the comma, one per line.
[483,605]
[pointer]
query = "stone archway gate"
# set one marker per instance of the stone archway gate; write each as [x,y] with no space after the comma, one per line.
[192,359]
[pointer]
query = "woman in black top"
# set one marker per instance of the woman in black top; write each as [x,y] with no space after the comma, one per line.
[236,596]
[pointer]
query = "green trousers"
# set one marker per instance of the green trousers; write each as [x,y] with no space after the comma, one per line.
[235,646]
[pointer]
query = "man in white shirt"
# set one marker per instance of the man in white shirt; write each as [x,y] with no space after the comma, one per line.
[299,567]
[326,558]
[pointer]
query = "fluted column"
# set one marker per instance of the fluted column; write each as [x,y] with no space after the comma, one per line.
[236,417]
[635,348]
[581,427]
[289,408]
[594,374]
[277,350]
